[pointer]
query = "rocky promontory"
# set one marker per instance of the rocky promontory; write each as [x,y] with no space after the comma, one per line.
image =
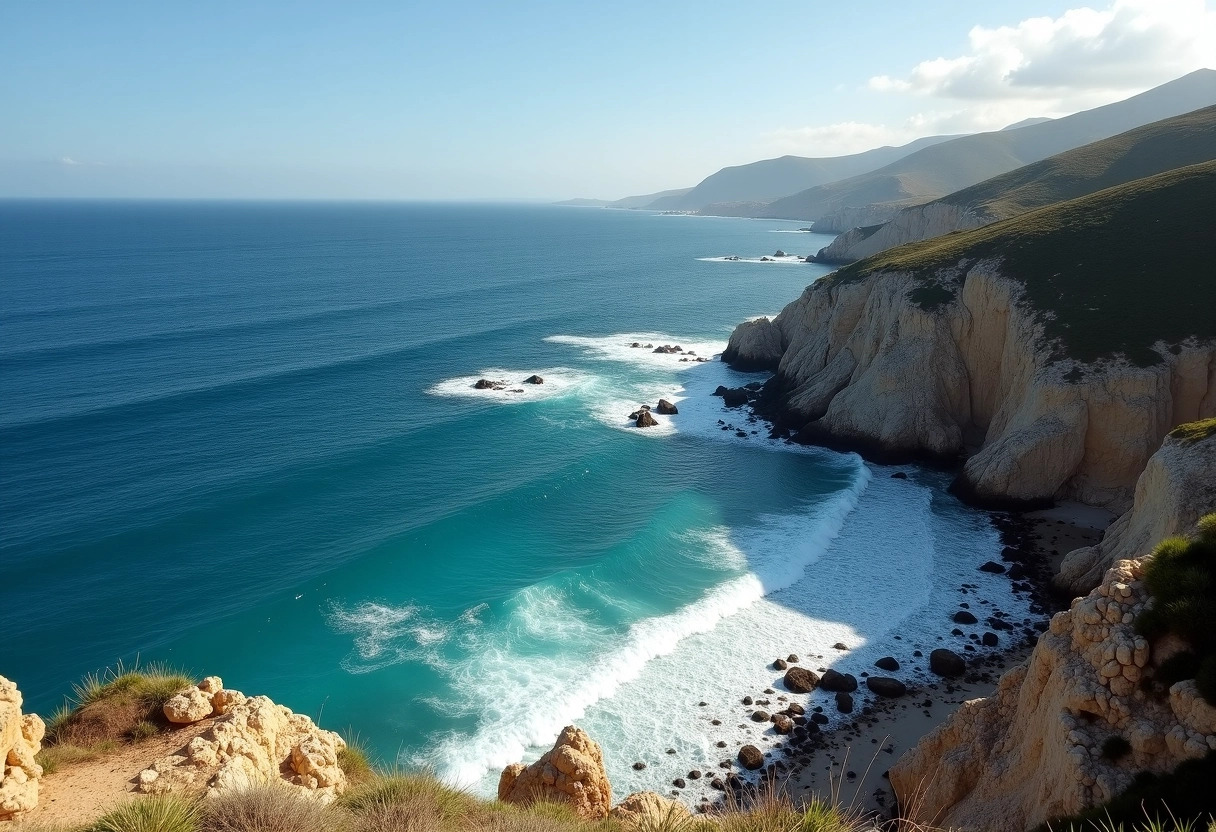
[1031,351]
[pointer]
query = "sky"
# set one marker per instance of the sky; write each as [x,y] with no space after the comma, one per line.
[535,100]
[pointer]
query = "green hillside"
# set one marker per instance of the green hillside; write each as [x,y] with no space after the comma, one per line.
[944,168]
[1145,151]
[1109,273]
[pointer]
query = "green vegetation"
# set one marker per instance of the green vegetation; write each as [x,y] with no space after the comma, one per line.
[1108,274]
[159,813]
[1182,801]
[1194,431]
[1155,148]
[113,705]
[1181,579]
[355,760]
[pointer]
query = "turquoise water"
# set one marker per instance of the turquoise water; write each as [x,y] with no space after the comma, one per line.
[243,438]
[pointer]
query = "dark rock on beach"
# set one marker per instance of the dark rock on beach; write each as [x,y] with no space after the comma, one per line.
[945,662]
[835,681]
[964,617]
[750,758]
[886,686]
[887,663]
[800,680]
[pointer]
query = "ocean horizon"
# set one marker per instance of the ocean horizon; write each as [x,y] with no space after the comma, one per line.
[243,438]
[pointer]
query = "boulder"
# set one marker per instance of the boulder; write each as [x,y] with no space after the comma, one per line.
[643,419]
[800,680]
[780,253]
[887,663]
[964,617]
[760,716]
[647,810]
[534,380]
[190,705]
[886,686]
[252,741]
[835,681]
[572,772]
[666,408]
[20,740]
[993,568]
[844,703]
[751,758]
[782,724]
[945,662]
[486,384]
[780,664]
[733,396]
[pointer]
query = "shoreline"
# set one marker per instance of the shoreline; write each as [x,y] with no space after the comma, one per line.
[868,746]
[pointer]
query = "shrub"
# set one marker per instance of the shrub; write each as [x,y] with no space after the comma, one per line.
[116,704]
[1115,748]
[355,761]
[158,813]
[413,790]
[266,809]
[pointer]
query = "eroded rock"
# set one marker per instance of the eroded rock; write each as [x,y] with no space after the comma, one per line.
[571,772]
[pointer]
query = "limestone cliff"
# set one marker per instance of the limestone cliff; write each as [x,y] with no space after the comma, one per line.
[253,741]
[1177,487]
[1051,352]
[1037,748]
[921,222]
[20,739]
[864,364]
[857,216]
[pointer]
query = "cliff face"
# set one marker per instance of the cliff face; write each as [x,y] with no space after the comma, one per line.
[20,739]
[1034,749]
[886,365]
[857,216]
[921,222]
[1174,491]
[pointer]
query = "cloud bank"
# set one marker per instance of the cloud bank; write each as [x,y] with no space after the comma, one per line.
[1041,66]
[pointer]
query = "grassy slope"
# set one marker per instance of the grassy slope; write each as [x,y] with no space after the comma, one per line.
[1145,151]
[945,168]
[1112,272]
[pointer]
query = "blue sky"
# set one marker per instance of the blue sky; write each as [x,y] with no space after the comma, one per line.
[534,100]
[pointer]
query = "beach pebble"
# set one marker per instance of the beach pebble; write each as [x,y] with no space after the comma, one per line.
[887,663]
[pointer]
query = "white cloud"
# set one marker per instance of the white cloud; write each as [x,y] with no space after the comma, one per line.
[1041,66]
[69,161]
[1126,48]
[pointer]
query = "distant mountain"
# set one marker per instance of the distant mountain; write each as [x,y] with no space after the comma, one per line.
[1145,151]
[771,179]
[651,201]
[951,166]
[1026,122]
[584,203]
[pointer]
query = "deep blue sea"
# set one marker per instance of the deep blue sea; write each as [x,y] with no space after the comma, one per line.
[243,438]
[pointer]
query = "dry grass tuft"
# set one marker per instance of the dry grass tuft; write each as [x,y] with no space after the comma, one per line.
[116,704]
[269,808]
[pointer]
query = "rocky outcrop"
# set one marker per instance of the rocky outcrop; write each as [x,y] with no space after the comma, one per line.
[856,216]
[571,772]
[920,222]
[1039,746]
[647,810]
[876,364]
[20,739]
[1174,491]
[253,742]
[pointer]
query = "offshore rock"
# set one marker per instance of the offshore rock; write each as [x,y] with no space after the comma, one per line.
[571,772]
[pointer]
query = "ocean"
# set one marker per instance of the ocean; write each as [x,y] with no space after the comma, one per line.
[243,438]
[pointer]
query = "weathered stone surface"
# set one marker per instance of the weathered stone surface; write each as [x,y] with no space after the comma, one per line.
[1172,492]
[665,408]
[571,772]
[647,810]
[643,419]
[253,741]
[1033,749]
[189,705]
[860,363]
[20,739]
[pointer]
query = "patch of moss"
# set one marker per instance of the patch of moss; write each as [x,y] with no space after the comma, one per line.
[1194,431]
[1109,274]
